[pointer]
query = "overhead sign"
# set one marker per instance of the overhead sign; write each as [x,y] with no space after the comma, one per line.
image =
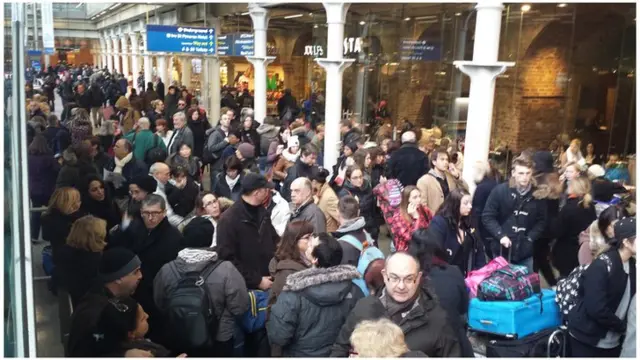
[238,44]
[181,39]
[48,40]
[35,65]
[225,45]
[419,50]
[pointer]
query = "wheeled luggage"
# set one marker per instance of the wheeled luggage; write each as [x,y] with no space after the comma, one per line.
[545,343]
[515,319]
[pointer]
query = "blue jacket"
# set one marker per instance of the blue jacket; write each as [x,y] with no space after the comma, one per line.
[471,248]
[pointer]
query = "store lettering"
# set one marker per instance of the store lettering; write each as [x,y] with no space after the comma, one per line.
[312,50]
[352,45]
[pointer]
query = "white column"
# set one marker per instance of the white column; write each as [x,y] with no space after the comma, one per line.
[125,55]
[146,59]
[109,44]
[212,78]
[482,70]
[260,60]
[186,71]
[94,54]
[162,71]
[334,64]
[135,57]
[116,54]
[103,53]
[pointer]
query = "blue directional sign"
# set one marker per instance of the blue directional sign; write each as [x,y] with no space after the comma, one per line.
[225,45]
[243,45]
[419,50]
[181,39]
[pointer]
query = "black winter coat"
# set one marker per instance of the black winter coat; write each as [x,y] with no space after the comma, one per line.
[600,293]
[183,201]
[251,137]
[56,227]
[572,220]
[246,237]
[425,327]
[308,314]
[480,197]
[77,270]
[521,218]
[367,203]
[221,188]
[299,169]
[199,128]
[407,164]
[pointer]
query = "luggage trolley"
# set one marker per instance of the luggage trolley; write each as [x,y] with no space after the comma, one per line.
[558,340]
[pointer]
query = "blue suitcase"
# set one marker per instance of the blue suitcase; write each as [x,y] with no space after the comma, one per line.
[515,319]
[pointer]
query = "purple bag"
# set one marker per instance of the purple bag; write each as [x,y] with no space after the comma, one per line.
[509,283]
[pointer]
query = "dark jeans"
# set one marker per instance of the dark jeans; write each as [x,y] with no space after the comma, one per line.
[37,201]
[542,261]
[582,350]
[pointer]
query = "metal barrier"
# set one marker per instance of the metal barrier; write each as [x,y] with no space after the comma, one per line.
[40,209]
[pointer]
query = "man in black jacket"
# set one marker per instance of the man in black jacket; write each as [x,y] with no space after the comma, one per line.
[245,234]
[305,166]
[97,99]
[82,98]
[515,215]
[408,163]
[410,305]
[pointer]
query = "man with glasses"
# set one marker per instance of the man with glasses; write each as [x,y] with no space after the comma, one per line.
[410,305]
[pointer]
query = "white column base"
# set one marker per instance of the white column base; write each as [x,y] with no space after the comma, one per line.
[260,85]
[481,93]
[333,108]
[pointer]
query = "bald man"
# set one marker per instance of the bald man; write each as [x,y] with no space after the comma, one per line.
[303,207]
[409,305]
[162,173]
[408,163]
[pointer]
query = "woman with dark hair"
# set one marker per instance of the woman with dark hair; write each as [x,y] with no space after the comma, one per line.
[186,159]
[228,182]
[377,165]
[98,201]
[43,170]
[594,240]
[597,322]
[208,207]
[356,186]
[199,126]
[451,227]
[182,195]
[248,134]
[447,281]
[326,199]
[290,255]
[362,159]
[76,163]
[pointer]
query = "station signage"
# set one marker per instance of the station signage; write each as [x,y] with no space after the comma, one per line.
[181,39]
[419,50]
[236,44]
[349,46]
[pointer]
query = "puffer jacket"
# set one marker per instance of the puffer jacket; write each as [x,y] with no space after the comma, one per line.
[226,287]
[367,203]
[522,218]
[426,327]
[312,308]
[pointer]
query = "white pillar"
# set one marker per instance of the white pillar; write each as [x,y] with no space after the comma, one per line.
[47,61]
[103,53]
[214,79]
[482,70]
[162,72]
[94,55]
[148,70]
[187,68]
[116,54]
[260,60]
[109,44]
[125,55]
[334,64]
[135,58]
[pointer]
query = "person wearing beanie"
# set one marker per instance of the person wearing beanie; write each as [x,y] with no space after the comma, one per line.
[223,282]
[287,159]
[598,325]
[246,154]
[119,273]
[139,188]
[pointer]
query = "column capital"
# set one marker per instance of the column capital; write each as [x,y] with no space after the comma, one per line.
[340,64]
[336,11]
[259,17]
[259,61]
[490,5]
[472,68]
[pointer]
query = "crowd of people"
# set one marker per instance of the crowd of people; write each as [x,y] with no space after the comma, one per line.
[279,256]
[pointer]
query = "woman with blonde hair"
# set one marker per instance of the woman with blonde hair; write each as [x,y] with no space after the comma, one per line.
[576,215]
[63,210]
[80,256]
[573,154]
[380,339]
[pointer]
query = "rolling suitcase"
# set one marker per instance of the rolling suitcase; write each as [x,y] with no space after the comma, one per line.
[546,343]
[515,319]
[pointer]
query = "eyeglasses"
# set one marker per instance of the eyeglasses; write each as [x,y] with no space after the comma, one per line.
[394,280]
[151,213]
[182,104]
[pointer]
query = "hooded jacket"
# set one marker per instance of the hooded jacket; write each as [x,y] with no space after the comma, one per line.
[367,202]
[425,325]
[131,117]
[522,218]
[310,212]
[225,286]
[312,308]
[268,133]
[354,227]
[280,270]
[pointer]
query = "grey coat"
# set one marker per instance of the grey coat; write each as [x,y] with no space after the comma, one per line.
[312,213]
[182,136]
[215,145]
[227,289]
[314,304]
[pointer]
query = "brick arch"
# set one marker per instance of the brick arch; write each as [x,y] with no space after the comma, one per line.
[303,40]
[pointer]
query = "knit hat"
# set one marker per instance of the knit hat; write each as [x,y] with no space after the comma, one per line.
[247,150]
[146,183]
[543,162]
[625,229]
[293,141]
[117,263]
[198,233]
[596,171]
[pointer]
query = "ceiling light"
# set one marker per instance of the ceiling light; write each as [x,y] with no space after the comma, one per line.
[315,26]
[562,5]
[245,13]
[458,14]
[293,16]
[310,14]
[426,17]
[525,8]
[362,22]
[79,4]
[407,19]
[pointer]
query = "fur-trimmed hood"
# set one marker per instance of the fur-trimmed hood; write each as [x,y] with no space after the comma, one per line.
[323,286]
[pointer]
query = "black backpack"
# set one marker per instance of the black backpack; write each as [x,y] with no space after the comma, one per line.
[190,317]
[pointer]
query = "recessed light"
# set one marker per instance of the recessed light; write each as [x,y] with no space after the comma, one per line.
[310,14]
[245,13]
[407,19]
[315,26]
[458,14]
[362,22]
[525,8]
[293,16]
[562,5]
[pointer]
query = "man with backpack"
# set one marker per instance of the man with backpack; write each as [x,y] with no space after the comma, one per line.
[145,142]
[351,234]
[199,283]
